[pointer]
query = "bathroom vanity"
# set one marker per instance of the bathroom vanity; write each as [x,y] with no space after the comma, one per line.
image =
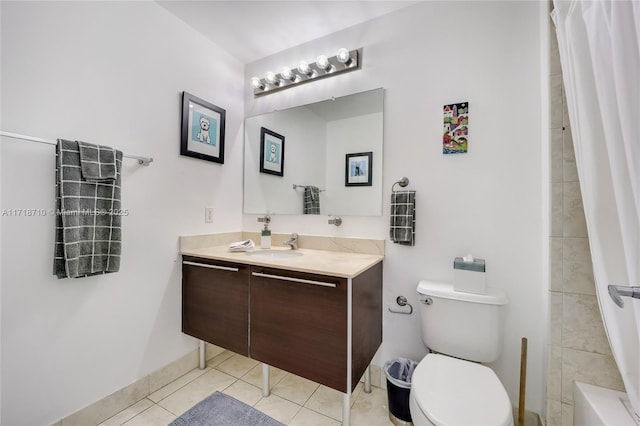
[316,314]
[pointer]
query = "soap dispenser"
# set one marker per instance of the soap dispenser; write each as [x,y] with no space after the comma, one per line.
[265,238]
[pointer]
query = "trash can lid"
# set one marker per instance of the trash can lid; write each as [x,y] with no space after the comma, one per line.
[443,385]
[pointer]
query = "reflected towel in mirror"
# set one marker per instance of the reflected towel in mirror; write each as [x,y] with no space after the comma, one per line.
[311,200]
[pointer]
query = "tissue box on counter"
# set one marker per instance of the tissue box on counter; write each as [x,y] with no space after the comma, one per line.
[469,275]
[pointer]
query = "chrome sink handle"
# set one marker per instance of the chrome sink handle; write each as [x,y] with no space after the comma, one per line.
[337,221]
[615,291]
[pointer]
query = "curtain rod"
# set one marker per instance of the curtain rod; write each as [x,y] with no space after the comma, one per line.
[145,161]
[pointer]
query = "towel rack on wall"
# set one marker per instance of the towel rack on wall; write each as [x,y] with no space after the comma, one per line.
[402,182]
[145,161]
[304,186]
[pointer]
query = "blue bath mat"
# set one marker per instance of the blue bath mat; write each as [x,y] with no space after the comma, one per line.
[219,409]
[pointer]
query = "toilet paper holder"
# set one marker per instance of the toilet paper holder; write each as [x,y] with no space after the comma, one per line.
[402,301]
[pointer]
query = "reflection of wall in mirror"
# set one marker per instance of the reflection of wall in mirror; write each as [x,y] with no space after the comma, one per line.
[304,161]
[355,134]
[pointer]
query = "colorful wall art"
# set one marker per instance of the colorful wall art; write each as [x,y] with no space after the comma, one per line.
[455,138]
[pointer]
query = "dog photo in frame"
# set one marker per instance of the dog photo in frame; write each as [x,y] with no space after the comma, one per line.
[202,129]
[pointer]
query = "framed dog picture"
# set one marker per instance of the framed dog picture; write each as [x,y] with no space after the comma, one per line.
[271,152]
[202,129]
[358,169]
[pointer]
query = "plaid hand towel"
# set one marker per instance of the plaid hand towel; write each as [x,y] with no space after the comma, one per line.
[403,217]
[311,200]
[98,162]
[88,223]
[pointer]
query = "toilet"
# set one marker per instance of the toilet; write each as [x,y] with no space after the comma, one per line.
[450,386]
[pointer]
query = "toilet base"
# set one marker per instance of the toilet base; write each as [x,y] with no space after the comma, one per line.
[398,422]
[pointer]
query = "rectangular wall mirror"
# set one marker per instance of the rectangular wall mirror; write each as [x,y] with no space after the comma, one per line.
[335,145]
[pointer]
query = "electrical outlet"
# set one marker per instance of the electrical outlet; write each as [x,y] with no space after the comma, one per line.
[208,215]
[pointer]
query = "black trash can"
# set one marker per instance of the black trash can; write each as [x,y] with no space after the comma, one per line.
[399,372]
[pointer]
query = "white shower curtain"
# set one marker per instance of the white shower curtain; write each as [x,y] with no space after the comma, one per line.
[600,56]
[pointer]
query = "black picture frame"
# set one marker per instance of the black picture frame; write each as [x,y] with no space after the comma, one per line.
[358,169]
[271,152]
[203,128]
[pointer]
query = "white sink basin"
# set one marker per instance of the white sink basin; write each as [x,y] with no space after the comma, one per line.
[274,254]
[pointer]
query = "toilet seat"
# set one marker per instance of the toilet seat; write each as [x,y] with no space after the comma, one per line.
[451,391]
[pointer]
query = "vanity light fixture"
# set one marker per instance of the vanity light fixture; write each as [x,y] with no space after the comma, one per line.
[287,74]
[256,83]
[323,63]
[344,57]
[343,61]
[272,79]
[304,68]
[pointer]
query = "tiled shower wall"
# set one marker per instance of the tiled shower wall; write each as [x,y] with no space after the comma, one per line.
[578,347]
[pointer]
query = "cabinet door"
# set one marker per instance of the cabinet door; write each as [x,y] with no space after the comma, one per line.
[299,324]
[215,303]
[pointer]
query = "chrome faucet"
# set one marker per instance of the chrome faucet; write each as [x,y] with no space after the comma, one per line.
[292,242]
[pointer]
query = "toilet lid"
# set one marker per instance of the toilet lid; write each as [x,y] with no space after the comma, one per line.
[450,391]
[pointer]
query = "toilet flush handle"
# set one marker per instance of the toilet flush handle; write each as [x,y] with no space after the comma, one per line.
[427,301]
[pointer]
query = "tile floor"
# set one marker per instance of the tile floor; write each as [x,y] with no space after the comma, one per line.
[293,400]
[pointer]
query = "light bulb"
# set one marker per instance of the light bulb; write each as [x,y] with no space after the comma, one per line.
[304,68]
[343,57]
[287,74]
[256,83]
[322,62]
[270,77]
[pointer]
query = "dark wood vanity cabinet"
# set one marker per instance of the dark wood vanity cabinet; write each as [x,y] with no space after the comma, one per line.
[324,328]
[301,325]
[215,302]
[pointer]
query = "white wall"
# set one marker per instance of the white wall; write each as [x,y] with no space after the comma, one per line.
[110,73]
[486,202]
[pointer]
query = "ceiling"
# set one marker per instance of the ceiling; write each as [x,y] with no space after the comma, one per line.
[251,30]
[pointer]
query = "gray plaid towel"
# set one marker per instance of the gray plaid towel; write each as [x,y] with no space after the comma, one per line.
[98,162]
[403,217]
[88,220]
[311,200]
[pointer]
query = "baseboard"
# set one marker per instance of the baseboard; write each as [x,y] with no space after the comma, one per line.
[111,405]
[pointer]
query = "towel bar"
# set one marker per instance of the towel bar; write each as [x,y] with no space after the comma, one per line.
[145,161]
[304,186]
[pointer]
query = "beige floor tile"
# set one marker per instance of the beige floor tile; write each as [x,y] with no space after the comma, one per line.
[195,391]
[295,389]
[153,416]
[170,388]
[328,401]
[128,414]
[254,376]
[371,409]
[278,408]
[306,417]
[237,365]
[212,351]
[219,358]
[243,391]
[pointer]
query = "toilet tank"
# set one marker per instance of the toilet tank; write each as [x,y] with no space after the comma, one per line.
[463,325]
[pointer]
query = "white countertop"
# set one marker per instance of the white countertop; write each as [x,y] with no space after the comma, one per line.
[324,262]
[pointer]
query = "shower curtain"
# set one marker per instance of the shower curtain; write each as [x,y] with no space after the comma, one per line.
[600,56]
